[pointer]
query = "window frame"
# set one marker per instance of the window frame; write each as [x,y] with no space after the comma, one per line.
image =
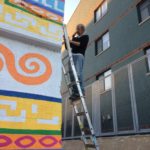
[99,8]
[102,77]
[108,40]
[147,59]
[139,12]
[102,44]
[108,76]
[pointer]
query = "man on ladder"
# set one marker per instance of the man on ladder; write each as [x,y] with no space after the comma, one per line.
[78,44]
[76,50]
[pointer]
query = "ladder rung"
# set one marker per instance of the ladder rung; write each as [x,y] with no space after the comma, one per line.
[90,145]
[66,64]
[66,73]
[78,101]
[80,114]
[86,131]
[67,56]
[71,84]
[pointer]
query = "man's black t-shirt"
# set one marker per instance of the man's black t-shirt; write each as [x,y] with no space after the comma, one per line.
[83,40]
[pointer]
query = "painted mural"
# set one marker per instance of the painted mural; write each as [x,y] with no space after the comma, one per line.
[15,17]
[30,100]
[48,9]
[30,103]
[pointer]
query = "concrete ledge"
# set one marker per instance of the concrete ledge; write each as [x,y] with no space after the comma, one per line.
[30,40]
[138,142]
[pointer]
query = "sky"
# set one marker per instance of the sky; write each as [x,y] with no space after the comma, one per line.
[70,6]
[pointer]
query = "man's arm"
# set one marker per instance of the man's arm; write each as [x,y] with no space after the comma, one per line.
[75,43]
[83,43]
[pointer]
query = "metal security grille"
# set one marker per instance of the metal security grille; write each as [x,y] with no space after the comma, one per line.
[120,110]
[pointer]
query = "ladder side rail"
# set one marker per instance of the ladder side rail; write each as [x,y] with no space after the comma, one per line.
[76,111]
[80,125]
[77,80]
[79,88]
[67,41]
[66,79]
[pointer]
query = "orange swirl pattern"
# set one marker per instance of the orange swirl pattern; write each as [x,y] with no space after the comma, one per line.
[10,63]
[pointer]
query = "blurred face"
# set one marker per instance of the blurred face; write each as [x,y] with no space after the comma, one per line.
[80,29]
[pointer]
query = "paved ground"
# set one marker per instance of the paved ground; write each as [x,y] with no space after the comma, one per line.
[140,142]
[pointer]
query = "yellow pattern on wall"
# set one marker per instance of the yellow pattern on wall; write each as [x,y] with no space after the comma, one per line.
[24,23]
[25,113]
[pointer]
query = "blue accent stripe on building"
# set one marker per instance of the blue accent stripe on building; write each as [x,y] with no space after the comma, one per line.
[47,8]
[30,96]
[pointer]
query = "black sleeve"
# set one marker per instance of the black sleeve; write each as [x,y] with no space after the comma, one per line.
[73,39]
[84,41]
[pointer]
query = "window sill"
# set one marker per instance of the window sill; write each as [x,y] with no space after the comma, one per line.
[102,52]
[105,91]
[144,21]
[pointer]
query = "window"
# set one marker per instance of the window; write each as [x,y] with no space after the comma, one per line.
[105,81]
[101,11]
[107,76]
[144,10]
[102,43]
[148,58]
[106,42]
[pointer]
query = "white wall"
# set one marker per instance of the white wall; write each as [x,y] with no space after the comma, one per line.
[50,87]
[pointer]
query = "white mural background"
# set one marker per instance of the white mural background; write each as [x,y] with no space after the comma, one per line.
[48,88]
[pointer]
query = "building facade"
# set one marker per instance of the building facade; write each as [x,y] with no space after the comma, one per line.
[116,70]
[30,74]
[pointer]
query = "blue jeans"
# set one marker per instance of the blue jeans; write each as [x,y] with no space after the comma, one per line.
[78,62]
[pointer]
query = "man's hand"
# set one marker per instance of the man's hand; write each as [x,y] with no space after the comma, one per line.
[74,34]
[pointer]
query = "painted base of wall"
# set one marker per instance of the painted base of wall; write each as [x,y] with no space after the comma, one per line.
[140,142]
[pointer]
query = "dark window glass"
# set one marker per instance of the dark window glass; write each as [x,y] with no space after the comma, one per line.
[69,120]
[98,46]
[123,101]
[106,112]
[101,11]
[88,95]
[142,93]
[77,131]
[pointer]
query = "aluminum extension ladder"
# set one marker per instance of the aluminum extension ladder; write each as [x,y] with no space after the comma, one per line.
[89,140]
